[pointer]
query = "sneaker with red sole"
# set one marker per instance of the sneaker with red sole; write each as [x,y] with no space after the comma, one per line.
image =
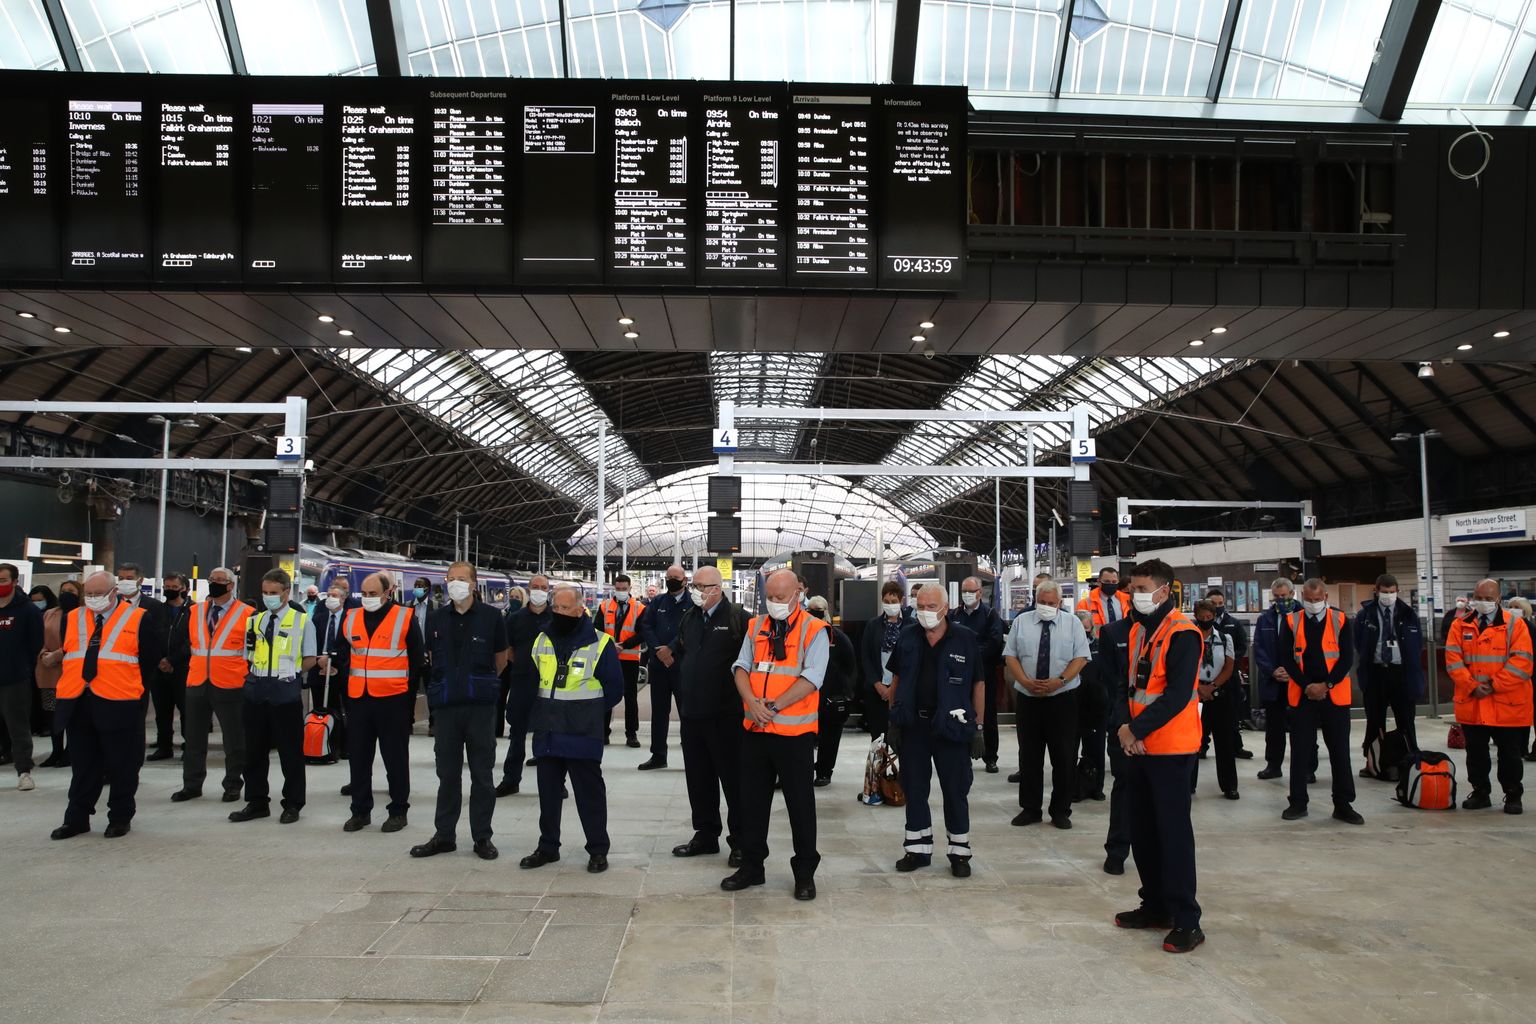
[1183,940]
[1141,917]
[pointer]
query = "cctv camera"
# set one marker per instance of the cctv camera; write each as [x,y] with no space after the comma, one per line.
[929,353]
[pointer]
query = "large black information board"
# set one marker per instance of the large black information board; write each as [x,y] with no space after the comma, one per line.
[481,184]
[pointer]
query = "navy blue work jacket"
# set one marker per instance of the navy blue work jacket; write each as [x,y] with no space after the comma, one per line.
[960,668]
[463,667]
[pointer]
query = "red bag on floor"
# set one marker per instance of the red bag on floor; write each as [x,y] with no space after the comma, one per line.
[318,745]
[1456,740]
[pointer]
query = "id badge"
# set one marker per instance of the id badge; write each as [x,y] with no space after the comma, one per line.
[886,675]
[764,667]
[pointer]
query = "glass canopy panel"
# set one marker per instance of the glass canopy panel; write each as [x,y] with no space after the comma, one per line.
[814,40]
[160,36]
[766,378]
[1478,52]
[1142,47]
[1318,50]
[648,38]
[992,45]
[26,41]
[792,512]
[490,38]
[311,37]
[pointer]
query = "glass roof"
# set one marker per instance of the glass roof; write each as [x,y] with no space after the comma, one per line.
[778,513]
[493,38]
[149,35]
[313,37]
[766,378]
[1142,47]
[1304,49]
[1478,52]
[26,43]
[814,40]
[529,408]
[996,45]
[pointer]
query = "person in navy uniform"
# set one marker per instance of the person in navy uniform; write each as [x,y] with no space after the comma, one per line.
[983,620]
[658,628]
[524,624]
[1389,642]
[938,673]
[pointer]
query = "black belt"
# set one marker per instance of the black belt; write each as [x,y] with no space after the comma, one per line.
[926,714]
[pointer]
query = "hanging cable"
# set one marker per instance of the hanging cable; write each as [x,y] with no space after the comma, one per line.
[1481,136]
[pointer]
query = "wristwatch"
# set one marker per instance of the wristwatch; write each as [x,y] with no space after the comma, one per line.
[771,706]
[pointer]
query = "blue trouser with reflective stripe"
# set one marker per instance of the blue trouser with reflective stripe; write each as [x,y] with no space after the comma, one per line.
[922,752]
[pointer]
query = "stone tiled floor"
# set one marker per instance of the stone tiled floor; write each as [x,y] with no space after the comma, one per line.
[1415,917]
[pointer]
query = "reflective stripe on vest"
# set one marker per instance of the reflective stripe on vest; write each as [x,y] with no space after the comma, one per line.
[622,631]
[222,662]
[1475,656]
[771,679]
[1342,694]
[288,653]
[117,659]
[1180,735]
[382,670]
[581,682]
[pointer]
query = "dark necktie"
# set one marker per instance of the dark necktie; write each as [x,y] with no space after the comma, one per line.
[1111,609]
[1043,658]
[271,654]
[330,632]
[92,649]
[1386,634]
[213,621]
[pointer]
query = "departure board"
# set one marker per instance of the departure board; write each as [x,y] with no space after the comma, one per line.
[922,217]
[558,236]
[469,234]
[29,233]
[834,236]
[106,228]
[377,236]
[197,218]
[742,242]
[286,233]
[651,232]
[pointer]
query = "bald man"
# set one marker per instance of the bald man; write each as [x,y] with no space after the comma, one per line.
[1489,658]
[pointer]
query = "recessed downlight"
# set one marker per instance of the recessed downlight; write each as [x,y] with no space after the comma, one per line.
[1464,347]
[326,319]
[1197,342]
[631,335]
[626,320]
[27,316]
[926,325]
[1218,330]
[344,333]
[918,338]
[1501,334]
[61,330]
[243,348]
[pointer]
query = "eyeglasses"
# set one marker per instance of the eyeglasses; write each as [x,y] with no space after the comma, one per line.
[706,586]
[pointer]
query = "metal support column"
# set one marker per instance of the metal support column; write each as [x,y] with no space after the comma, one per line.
[224,528]
[602,496]
[165,485]
[1029,536]
[1429,578]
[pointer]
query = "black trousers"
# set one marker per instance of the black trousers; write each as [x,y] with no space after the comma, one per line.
[1277,727]
[501,704]
[631,670]
[662,682]
[831,715]
[790,759]
[712,767]
[1047,724]
[267,726]
[519,707]
[1117,843]
[1162,836]
[382,723]
[1386,688]
[100,757]
[460,730]
[1218,722]
[877,713]
[168,695]
[1510,741]
[922,753]
[591,795]
[1307,719]
[990,697]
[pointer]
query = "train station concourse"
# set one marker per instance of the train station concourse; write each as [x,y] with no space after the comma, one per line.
[767,511]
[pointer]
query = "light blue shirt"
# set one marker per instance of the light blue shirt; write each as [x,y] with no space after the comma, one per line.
[1069,642]
[817,653]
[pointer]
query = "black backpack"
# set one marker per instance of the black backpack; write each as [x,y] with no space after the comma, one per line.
[1384,755]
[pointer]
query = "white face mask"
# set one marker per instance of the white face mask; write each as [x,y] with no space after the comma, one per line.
[333,603]
[698,598]
[1484,607]
[1046,612]
[1314,607]
[892,610]
[1461,603]
[928,620]
[1515,613]
[458,590]
[621,596]
[778,610]
[128,588]
[969,599]
[538,598]
[372,604]
[99,603]
[1146,604]
[1387,600]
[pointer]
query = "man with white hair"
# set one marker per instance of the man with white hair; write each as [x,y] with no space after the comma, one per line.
[1043,659]
[215,687]
[100,705]
[1317,650]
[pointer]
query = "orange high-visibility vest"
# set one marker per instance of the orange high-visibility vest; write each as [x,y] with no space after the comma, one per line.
[223,660]
[117,659]
[622,630]
[1500,655]
[1333,622]
[1181,735]
[1095,604]
[772,677]
[379,663]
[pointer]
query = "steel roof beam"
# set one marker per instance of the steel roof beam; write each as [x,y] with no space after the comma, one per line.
[1223,50]
[58,23]
[1403,39]
[1059,66]
[232,37]
[904,41]
[388,31]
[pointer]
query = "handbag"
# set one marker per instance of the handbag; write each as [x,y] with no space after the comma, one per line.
[1457,738]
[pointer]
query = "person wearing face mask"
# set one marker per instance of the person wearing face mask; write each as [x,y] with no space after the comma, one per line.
[384,653]
[1044,658]
[1218,703]
[215,678]
[658,628]
[130,589]
[1273,679]
[779,669]
[523,628]
[311,601]
[937,677]
[281,647]
[467,641]
[21,641]
[619,617]
[1391,642]
[1318,651]
[1236,635]
[982,619]
[875,646]
[579,679]
[1106,601]
[422,605]
[100,704]
[328,679]
[835,693]
[168,686]
[49,667]
[1152,662]
[1488,656]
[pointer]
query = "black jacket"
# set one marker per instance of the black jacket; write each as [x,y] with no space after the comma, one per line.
[707,647]
[152,635]
[178,638]
[987,626]
[870,662]
[842,666]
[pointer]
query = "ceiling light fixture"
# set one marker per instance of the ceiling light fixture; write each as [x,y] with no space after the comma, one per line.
[26,316]
[918,338]
[1501,334]
[326,319]
[626,320]
[631,335]
[344,333]
[1464,347]
[61,330]
[243,348]
[1426,371]
[1218,330]
[926,325]
[1196,343]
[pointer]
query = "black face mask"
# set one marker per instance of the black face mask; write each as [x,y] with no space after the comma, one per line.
[69,601]
[1205,627]
[1109,589]
[563,625]
[673,586]
[173,595]
[217,589]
